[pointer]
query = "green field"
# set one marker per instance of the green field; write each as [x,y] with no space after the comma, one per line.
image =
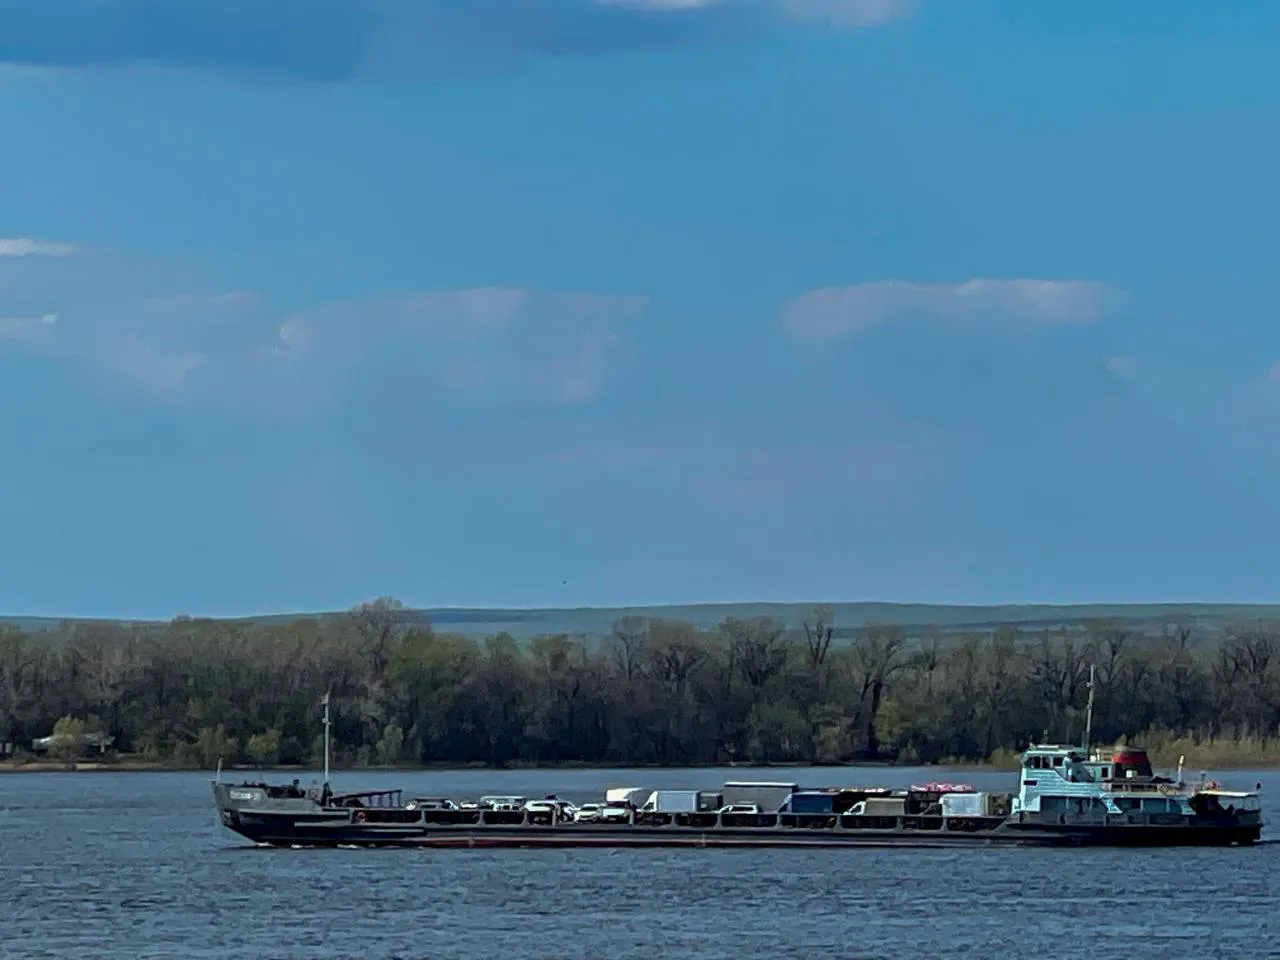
[915,617]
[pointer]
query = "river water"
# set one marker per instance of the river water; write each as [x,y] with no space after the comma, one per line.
[131,865]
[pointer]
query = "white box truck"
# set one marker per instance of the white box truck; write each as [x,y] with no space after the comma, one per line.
[672,801]
[622,796]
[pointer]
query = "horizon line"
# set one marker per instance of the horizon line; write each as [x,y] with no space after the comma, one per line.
[607,608]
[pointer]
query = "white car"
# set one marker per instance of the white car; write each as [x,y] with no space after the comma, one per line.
[739,808]
[588,812]
[431,803]
[601,813]
[503,803]
[563,808]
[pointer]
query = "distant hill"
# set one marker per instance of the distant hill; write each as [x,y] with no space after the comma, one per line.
[916,618]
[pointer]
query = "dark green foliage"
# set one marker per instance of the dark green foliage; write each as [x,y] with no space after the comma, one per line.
[652,691]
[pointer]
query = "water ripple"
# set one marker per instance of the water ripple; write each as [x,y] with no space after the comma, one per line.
[134,865]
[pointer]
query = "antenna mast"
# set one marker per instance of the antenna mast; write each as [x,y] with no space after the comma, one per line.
[1088,714]
[325,701]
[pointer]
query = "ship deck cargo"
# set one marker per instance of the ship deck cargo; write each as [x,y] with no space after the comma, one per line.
[1059,803]
[1066,797]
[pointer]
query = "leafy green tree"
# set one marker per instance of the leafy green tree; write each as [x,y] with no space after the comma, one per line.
[68,739]
[264,748]
[212,744]
[391,746]
[193,691]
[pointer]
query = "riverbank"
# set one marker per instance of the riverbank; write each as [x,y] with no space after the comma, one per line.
[1222,755]
[134,764]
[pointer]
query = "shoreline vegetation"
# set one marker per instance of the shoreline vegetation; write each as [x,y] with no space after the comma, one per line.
[646,692]
[1220,756]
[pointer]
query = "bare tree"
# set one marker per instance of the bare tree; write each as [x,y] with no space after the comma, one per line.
[876,656]
[759,648]
[192,690]
[818,633]
[629,637]
[676,652]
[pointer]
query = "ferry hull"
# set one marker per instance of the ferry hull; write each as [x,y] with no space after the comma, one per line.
[1147,835]
[336,829]
[289,817]
[261,830]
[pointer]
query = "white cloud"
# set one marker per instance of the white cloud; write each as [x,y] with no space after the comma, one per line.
[26,247]
[535,344]
[27,329]
[147,365]
[833,312]
[236,349]
[576,376]
[350,328]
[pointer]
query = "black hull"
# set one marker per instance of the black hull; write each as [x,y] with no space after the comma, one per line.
[1141,835]
[289,831]
[292,819]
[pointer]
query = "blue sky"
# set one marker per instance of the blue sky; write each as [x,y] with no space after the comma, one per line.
[580,302]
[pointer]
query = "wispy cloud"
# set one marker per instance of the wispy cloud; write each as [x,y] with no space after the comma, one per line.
[847,13]
[656,5]
[235,348]
[27,329]
[771,474]
[26,247]
[558,346]
[833,312]
[334,40]
[576,376]
[1118,365]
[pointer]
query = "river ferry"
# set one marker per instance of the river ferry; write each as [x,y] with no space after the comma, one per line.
[1064,798]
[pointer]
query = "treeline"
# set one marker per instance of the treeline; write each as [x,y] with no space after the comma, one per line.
[654,692]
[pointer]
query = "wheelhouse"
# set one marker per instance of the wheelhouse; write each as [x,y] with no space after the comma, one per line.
[1057,780]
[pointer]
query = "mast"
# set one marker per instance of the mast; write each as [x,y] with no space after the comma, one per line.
[325,701]
[1088,714]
